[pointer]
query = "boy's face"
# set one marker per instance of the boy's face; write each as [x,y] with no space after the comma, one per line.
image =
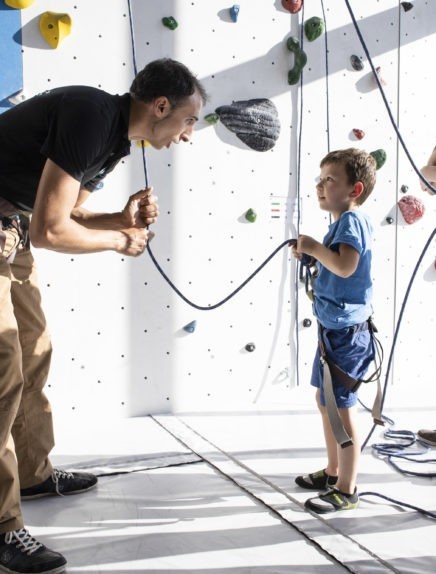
[335,194]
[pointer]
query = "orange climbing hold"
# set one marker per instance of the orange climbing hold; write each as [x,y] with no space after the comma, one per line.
[55,27]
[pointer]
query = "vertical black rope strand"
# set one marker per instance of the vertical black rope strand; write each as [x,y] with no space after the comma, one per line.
[298,197]
[326,77]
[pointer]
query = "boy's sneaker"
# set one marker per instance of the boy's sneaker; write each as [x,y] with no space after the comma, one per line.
[20,553]
[319,480]
[331,501]
[427,436]
[60,482]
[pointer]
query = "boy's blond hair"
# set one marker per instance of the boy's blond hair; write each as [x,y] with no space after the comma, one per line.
[359,166]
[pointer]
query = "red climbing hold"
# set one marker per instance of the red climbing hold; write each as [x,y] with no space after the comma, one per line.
[360,134]
[293,6]
[411,208]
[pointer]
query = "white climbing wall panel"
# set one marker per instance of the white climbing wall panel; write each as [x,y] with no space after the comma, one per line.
[117,327]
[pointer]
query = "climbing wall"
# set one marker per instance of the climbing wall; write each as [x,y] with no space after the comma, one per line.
[118,328]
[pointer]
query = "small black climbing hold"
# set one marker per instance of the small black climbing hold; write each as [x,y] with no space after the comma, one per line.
[389,220]
[404,188]
[250,347]
[307,322]
[356,63]
[407,6]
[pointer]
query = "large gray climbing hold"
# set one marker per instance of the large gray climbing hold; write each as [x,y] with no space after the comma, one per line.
[255,122]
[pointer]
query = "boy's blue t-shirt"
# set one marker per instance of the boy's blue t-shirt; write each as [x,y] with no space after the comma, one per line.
[341,302]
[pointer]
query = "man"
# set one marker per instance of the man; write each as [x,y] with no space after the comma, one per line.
[55,149]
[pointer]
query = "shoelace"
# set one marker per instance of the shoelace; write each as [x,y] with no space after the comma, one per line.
[23,540]
[59,474]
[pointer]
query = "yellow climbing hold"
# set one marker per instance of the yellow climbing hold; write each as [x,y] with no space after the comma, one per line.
[55,27]
[19,4]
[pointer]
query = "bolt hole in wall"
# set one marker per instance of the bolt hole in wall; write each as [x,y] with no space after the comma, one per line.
[225,206]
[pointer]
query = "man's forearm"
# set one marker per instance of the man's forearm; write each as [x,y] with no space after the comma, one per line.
[76,238]
[102,221]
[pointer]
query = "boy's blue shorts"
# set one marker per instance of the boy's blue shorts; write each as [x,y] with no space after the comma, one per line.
[352,350]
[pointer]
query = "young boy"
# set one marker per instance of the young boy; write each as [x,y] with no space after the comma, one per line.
[342,305]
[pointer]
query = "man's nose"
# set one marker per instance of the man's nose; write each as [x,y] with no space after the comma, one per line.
[187,135]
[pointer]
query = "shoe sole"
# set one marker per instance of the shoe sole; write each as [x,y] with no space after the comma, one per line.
[45,494]
[57,570]
[323,510]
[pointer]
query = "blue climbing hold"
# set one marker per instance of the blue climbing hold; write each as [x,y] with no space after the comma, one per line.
[190,327]
[234,12]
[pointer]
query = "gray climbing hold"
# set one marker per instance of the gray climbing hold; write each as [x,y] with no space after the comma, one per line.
[255,122]
[356,63]
[250,347]
[190,327]
[404,188]
[389,219]
[307,323]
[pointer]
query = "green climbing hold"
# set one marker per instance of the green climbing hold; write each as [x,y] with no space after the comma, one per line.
[380,157]
[251,215]
[170,22]
[314,28]
[212,118]
[300,60]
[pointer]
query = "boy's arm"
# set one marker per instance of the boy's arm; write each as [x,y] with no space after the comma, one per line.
[342,263]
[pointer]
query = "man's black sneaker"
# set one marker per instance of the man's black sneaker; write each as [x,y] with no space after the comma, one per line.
[319,480]
[60,482]
[20,553]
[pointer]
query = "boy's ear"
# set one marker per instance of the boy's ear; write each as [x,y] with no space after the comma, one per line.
[357,189]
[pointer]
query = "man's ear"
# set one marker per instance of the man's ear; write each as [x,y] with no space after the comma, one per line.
[161,107]
[357,189]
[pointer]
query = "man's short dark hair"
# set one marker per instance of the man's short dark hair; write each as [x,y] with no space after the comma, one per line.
[169,78]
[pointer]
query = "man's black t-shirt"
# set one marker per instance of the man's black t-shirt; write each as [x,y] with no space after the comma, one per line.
[82,129]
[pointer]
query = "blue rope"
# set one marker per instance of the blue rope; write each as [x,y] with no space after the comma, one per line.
[232,294]
[397,502]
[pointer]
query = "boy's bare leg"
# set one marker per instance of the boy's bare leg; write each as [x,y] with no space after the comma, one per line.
[330,441]
[348,457]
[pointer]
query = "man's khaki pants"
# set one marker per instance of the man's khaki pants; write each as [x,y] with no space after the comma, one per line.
[26,429]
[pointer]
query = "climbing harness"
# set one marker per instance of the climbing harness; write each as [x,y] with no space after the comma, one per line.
[331,371]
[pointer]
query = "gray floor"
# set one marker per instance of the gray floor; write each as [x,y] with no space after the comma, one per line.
[220,498]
